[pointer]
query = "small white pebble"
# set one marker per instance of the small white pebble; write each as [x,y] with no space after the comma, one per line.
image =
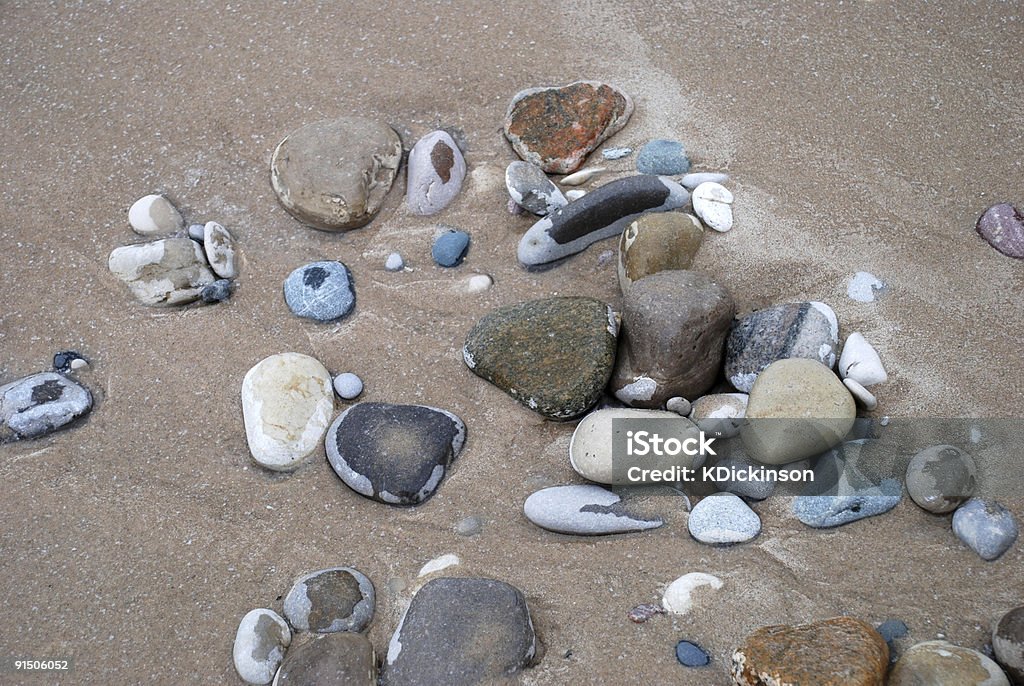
[439,563]
[575,194]
[691,181]
[581,177]
[394,263]
[154,214]
[78,363]
[347,385]
[478,283]
[197,232]
[864,287]
[863,396]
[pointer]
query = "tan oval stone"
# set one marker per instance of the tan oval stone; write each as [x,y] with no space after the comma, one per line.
[657,242]
[938,663]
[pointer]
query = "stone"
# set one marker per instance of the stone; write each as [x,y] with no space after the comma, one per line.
[641,613]
[1008,644]
[681,406]
[663,157]
[436,169]
[691,181]
[860,362]
[461,632]
[219,247]
[674,325]
[259,647]
[986,527]
[720,414]
[469,526]
[691,655]
[941,478]
[333,174]
[750,488]
[554,355]
[616,153]
[591,449]
[807,330]
[938,663]
[329,600]
[439,564]
[450,247]
[712,202]
[557,127]
[600,214]
[322,291]
[151,215]
[64,361]
[394,263]
[197,232]
[477,283]
[657,242]
[339,659]
[797,408]
[892,629]
[171,271]
[582,176]
[842,651]
[584,510]
[394,454]
[723,519]
[218,291]
[1002,225]
[678,597]
[38,404]
[532,190]
[575,194]
[863,396]
[865,287]
[847,486]
[348,386]
[79,363]
[287,403]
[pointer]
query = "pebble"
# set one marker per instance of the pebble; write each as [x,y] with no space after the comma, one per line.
[809,408]
[892,629]
[557,127]
[531,189]
[436,169]
[260,644]
[438,564]
[197,232]
[1008,643]
[678,597]
[575,194]
[219,247]
[864,287]
[641,613]
[218,291]
[691,655]
[329,600]
[348,386]
[330,660]
[841,493]
[600,214]
[584,510]
[41,403]
[986,527]
[554,355]
[712,202]
[723,519]
[719,414]
[691,181]
[287,403]
[450,247]
[678,310]
[65,361]
[582,176]
[941,478]
[616,153]
[657,242]
[863,396]
[752,489]
[477,283]
[1002,226]
[322,291]
[334,174]
[663,157]
[860,362]
[394,454]
[681,406]
[938,663]
[171,271]
[461,632]
[154,214]
[842,651]
[807,330]
[394,263]
[469,526]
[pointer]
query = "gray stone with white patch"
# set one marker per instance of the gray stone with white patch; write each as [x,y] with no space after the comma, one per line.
[436,170]
[532,190]
[584,510]
[38,404]
[260,644]
[330,600]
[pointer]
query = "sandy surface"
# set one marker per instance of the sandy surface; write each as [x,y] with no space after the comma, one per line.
[859,136]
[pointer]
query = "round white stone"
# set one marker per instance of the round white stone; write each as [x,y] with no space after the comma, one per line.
[712,202]
[154,214]
[394,263]
[722,519]
[347,385]
[260,644]
[860,362]
[477,283]
[678,597]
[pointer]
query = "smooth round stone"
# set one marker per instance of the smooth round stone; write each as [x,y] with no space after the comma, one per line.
[478,283]
[1002,226]
[720,414]
[712,202]
[532,190]
[941,478]
[657,242]
[219,247]
[860,362]
[172,271]
[339,659]
[348,386]
[1008,643]
[218,291]
[436,170]
[322,291]
[394,263]
[38,404]
[986,527]
[260,644]
[154,214]
[197,232]
[678,597]
[663,158]
[691,655]
[469,526]
[287,403]
[797,408]
[681,406]
[938,663]
[329,600]
[723,519]
[450,247]
[691,181]
[616,153]
[333,175]
[584,510]
[864,287]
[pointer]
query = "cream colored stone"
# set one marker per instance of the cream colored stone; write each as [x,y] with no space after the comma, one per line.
[171,271]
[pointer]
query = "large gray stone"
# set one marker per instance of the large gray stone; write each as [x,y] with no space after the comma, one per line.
[38,404]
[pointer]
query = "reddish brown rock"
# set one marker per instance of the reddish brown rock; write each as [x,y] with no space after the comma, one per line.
[556,127]
[842,651]
[1002,226]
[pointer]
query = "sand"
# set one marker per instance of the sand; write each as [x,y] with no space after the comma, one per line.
[859,136]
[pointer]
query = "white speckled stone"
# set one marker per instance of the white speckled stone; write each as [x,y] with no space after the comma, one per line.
[394,263]
[722,519]
[260,643]
[348,386]
[864,287]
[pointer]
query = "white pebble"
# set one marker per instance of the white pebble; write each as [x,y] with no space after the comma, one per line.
[691,181]
[78,363]
[864,287]
[712,202]
[477,283]
[394,263]
[439,563]
[581,177]
[575,194]
[860,362]
[863,396]
[347,385]
[616,153]
[154,214]
[678,597]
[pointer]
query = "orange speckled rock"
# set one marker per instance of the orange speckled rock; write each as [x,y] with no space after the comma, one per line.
[842,651]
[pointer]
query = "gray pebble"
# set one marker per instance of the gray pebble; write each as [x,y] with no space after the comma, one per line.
[348,386]
[196,232]
[663,157]
[722,519]
[986,527]
[584,510]
[469,526]
[394,263]
[320,290]
[218,291]
[329,600]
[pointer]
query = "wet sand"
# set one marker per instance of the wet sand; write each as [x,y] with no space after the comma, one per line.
[858,137]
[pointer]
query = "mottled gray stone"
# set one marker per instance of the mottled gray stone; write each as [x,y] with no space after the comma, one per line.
[722,519]
[320,290]
[584,510]
[38,404]
[663,157]
[339,659]
[532,190]
[986,527]
[329,600]
[941,477]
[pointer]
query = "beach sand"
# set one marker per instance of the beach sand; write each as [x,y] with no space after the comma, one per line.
[858,136]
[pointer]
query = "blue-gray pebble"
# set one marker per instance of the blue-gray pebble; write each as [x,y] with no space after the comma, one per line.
[450,247]
[320,290]
[663,157]
[825,511]
[891,629]
[985,526]
[691,655]
[216,292]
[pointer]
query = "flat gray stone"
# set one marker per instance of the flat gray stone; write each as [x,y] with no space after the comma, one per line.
[40,403]
[986,527]
[723,519]
[584,510]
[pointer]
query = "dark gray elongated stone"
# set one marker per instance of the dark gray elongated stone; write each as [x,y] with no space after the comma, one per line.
[583,509]
[600,214]
[38,404]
